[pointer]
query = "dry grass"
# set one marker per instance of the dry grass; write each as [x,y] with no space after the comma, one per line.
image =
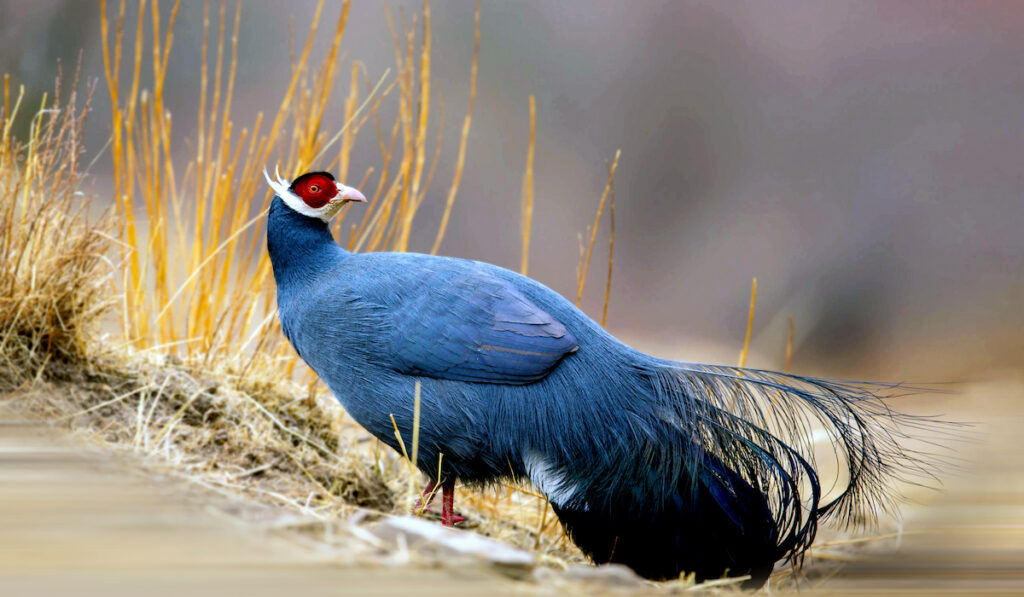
[274,447]
[526,206]
[587,250]
[53,279]
[750,327]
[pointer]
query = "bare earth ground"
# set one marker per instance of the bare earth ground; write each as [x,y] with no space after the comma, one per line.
[86,522]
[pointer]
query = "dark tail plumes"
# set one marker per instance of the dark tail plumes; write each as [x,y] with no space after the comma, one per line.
[745,446]
[720,526]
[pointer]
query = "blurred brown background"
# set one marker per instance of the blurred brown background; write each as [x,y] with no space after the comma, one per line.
[862,159]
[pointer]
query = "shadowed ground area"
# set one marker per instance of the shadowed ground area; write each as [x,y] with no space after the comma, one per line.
[85,521]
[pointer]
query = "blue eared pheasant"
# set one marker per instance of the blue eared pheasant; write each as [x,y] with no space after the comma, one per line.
[664,466]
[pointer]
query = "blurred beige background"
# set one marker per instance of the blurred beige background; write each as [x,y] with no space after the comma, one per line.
[862,159]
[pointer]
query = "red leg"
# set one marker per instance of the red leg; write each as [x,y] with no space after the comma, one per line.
[426,498]
[448,515]
[448,503]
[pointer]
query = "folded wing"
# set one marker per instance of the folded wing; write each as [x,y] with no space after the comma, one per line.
[473,326]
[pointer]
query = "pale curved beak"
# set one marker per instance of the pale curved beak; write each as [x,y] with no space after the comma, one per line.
[350,194]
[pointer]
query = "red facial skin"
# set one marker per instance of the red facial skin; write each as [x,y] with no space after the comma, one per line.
[316,189]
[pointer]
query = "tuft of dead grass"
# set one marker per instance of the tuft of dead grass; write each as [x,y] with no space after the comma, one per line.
[54,274]
[214,431]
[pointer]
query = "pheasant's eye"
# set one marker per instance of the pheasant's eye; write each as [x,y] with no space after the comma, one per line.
[315,188]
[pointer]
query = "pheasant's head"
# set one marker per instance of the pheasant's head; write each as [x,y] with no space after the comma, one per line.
[313,194]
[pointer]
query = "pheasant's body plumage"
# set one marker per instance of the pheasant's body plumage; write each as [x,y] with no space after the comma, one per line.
[667,467]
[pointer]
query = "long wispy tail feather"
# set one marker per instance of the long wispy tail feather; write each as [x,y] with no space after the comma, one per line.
[771,428]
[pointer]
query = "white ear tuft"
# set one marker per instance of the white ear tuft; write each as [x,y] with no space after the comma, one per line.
[280,186]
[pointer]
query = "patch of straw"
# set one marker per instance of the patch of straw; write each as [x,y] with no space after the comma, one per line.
[789,343]
[583,268]
[55,276]
[526,208]
[750,323]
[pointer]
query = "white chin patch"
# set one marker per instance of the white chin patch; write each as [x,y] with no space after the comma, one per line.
[295,202]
